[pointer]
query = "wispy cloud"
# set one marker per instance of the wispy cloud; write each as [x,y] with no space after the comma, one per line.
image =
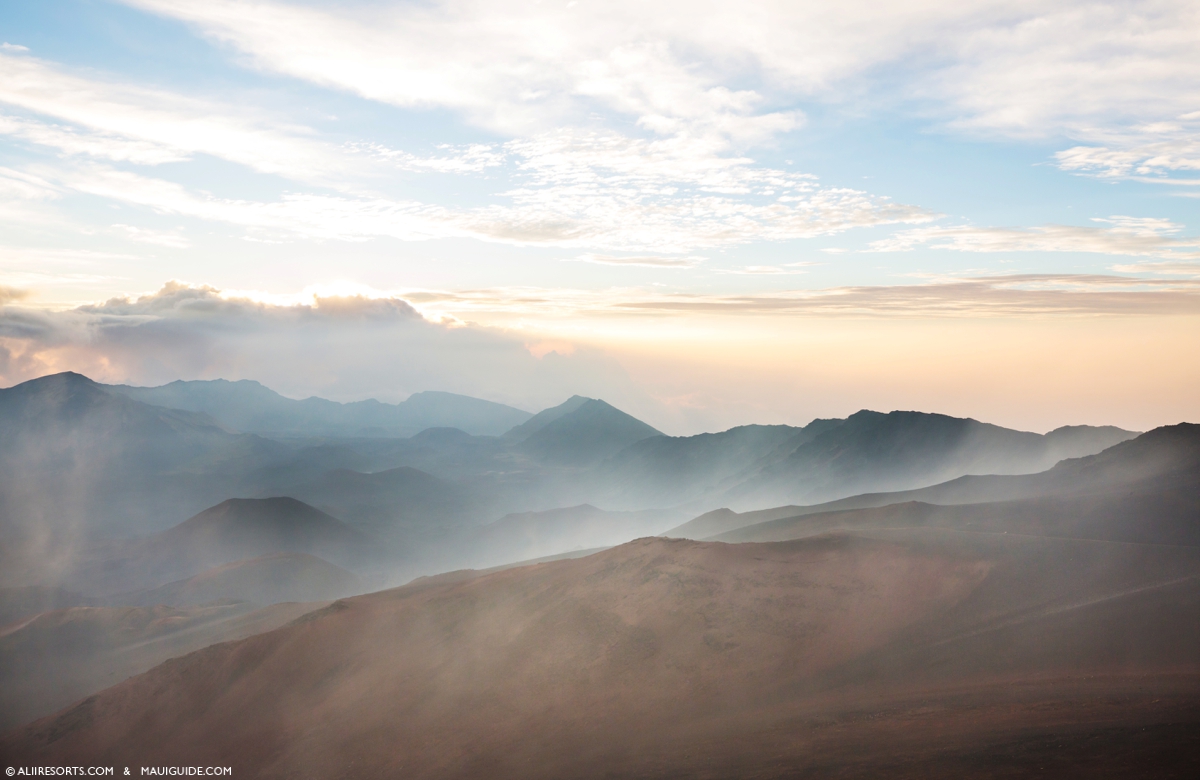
[1128,236]
[697,86]
[1164,268]
[293,216]
[975,296]
[41,269]
[648,261]
[517,68]
[12,294]
[724,69]
[95,144]
[471,158]
[671,195]
[1158,153]
[770,270]
[173,239]
[117,121]
[569,188]
[1023,295]
[569,201]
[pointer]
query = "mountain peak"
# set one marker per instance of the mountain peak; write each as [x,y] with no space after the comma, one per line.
[589,433]
[251,407]
[246,527]
[62,379]
[543,418]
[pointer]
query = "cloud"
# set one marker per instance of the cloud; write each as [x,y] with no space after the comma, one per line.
[1129,236]
[1075,68]
[172,239]
[680,188]
[515,68]
[1155,153]
[352,345]
[1022,69]
[1167,268]
[39,268]
[669,195]
[648,261]
[12,294]
[641,199]
[345,347]
[975,296]
[627,124]
[1021,295]
[469,158]
[770,270]
[120,122]
[103,145]
[292,216]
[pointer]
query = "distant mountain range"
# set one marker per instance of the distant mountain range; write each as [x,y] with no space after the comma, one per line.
[84,463]
[922,582]
[870,451]
[248,407]
[1144,489]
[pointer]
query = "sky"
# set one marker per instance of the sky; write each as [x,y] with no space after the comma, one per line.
[708,213]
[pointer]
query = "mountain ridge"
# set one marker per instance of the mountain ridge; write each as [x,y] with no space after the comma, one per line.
[250,407]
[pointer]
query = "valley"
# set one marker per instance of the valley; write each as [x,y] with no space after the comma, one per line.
[581,594]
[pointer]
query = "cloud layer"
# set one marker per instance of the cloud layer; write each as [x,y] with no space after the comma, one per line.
[346,348]
[735,70]
[684,363]
[624,119]
[1126,236]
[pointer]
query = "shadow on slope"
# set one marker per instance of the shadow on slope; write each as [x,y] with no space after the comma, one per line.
[58,657]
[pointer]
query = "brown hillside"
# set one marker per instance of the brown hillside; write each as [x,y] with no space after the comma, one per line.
[53,659]
[268,579]
[925,655]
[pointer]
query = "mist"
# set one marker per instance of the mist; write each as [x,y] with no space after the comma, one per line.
[527,391]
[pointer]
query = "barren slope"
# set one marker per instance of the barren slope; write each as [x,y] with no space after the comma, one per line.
[268,579]
[55,658]
[932,654]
